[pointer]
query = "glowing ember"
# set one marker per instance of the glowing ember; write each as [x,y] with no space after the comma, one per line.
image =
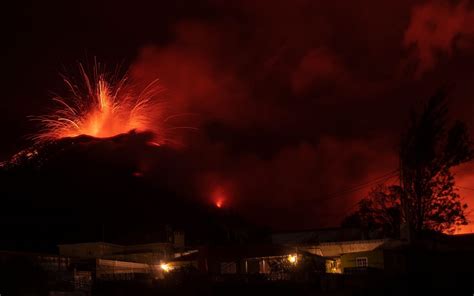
[101,108]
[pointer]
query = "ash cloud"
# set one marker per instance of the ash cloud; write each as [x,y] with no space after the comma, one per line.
[439,28]
[294,100]
[294,97]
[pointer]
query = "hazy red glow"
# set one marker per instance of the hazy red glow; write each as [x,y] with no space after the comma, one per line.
[219,197]
[104,109]
[219,203]
[290,129]
[137,174]
[302,105]
[438,26]
[465,184]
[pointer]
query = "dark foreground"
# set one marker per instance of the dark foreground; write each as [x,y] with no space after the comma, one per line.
[408,284]
[449,283]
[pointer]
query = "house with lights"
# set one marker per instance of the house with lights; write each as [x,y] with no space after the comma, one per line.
[289,254]
[347,250]
[107,261]
[249,262]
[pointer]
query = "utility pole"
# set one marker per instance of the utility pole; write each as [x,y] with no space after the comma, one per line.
[405,227]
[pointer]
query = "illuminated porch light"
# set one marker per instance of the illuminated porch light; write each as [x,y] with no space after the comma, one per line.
[165,267]
[293,259]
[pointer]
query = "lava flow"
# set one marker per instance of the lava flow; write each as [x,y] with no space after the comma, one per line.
[100,107]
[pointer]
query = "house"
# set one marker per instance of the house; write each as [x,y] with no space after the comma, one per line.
[244,262]
[322,235]
[347,250]
[26,268]
[389,256]
[107,261]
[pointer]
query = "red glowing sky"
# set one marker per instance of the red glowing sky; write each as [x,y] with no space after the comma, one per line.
[296,101]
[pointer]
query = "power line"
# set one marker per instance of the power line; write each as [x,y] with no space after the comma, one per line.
[346,211]
[358,187]
[349,209]
[466,167]
[466,188]
[383,178]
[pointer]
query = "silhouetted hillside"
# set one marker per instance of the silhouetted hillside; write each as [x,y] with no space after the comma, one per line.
[118,189]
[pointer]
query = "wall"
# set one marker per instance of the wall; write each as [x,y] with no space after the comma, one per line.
[89,250]
[336,249]
[375,259]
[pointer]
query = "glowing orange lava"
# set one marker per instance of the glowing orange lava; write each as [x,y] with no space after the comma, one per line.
[219,203]
[219,197]
[101,108]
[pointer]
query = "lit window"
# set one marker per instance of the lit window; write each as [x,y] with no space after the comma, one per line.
[362,262]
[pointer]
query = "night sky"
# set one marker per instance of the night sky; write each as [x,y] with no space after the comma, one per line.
[296,102]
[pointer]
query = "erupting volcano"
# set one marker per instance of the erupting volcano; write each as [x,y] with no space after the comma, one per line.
[101,106]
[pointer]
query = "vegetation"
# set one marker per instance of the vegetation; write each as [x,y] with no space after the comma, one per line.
[427,198]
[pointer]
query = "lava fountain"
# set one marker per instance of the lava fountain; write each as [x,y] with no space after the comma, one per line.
[101,106]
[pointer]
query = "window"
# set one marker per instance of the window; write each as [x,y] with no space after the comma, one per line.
[362,262]
[333,265]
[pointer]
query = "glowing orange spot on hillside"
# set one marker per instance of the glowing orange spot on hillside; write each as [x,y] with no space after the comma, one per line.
[219,203]
[219,197]
[137,174]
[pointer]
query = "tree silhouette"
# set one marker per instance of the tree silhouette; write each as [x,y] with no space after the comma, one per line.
[429,150]
[426,199]
[378,213]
